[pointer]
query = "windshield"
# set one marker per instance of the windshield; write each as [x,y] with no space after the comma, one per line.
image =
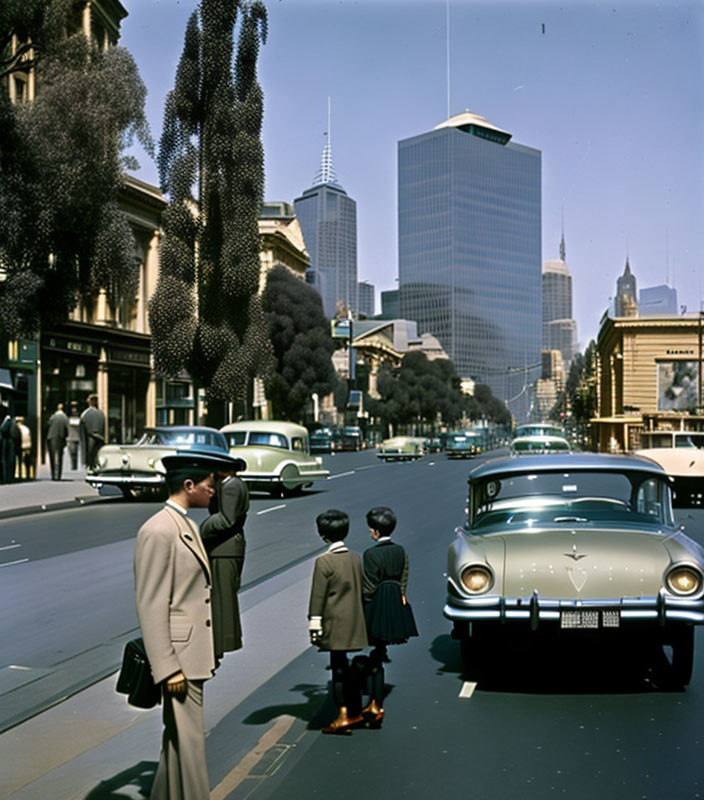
[540,445]
[570,497]
[538,429]
[182,438]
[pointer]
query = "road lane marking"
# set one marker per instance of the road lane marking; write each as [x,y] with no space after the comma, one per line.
[273,508]
[371,466]
[11,563]
[244,769]
[467,690]
[340,475]
[10,546]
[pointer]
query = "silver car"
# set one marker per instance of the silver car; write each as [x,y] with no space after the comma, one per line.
[574,543]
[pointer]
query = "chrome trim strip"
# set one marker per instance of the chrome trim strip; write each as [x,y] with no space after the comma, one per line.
[468,614]
[145,480]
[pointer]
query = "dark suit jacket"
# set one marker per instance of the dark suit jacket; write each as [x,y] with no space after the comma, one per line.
[336,596]
[223,531]
[382,562]
[58,427]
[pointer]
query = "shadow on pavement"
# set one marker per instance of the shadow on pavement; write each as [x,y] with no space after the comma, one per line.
[548,664]
[317,699]
[135,779]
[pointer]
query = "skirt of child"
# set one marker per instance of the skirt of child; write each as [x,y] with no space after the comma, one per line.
[389,620]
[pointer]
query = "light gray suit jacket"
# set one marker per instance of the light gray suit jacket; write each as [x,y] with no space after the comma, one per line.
[172,581]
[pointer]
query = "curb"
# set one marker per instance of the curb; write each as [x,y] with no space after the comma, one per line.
[60,505]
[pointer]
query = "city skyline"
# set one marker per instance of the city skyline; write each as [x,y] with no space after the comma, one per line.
[609,95]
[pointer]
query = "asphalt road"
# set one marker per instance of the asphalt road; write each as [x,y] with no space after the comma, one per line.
[590,720]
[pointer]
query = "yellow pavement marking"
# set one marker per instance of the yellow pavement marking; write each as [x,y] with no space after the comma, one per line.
[236,775]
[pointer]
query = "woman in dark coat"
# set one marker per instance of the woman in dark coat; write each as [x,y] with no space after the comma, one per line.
[387,613]
[223,537]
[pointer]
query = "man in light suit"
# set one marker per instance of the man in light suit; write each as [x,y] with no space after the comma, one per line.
[173,582]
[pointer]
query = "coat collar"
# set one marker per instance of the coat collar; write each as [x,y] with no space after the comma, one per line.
[189,535]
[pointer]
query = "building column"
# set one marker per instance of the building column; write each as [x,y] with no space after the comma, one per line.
[103,386]
[86,20]
[150,417]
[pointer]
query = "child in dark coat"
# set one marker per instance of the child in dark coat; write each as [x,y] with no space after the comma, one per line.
[335,615]
[388,616]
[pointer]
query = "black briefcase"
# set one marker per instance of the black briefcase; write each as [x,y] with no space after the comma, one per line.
[135,679]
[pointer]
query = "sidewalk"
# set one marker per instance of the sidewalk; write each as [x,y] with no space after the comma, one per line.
[43,494]
[95,746]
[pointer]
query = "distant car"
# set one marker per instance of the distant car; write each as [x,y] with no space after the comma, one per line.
[277,455]
[322,441]
[574,543]
[401,448]
[349,438]
[539,429]
[432,444]
[535,445]
[136,467]
[462,445]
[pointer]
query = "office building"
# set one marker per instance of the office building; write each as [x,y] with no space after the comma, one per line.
[366,304]
[390,306]
[657,300]
[469,228]
[559,329]
[328,219]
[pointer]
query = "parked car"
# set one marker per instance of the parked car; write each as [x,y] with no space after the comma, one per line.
[681,454]
[432,444]
[462,445]
[535,445]
[322,441]
[401,448]
[277,455]
[574,543]
[136,467]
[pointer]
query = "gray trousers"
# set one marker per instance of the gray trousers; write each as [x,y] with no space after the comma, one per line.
[182,773]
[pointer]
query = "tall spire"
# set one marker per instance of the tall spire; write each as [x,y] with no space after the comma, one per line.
[562,247]
[326,173]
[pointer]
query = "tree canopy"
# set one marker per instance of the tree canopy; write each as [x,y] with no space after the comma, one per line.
[62,234]
[303,347]
[206,314]
[424,393]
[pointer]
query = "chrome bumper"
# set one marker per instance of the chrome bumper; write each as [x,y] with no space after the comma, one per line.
[124,480]
[660,609]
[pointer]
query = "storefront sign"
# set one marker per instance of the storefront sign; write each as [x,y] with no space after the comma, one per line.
[132,356]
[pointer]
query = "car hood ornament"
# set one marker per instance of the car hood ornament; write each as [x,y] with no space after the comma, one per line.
[574,554]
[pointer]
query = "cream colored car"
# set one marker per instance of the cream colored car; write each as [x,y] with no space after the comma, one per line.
[578,545]
[277,455]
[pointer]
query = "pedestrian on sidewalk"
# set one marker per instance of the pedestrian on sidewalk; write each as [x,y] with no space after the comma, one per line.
[92,431]
[7,445]
[74,435]
[336,618]
[223,536]
[56,435]
[387,614]
[173,584]
[27,471]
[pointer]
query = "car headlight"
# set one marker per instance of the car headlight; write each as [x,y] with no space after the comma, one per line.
[477,579]
[684,580]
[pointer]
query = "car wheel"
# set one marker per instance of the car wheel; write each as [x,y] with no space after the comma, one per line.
[290,481]
[681,642]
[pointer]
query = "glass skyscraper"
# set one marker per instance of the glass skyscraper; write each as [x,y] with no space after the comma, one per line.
[469,237]
[559,328]
[328,219]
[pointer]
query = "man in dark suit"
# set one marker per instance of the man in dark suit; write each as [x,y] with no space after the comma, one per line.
[56,441]
[7,445]
[223,536]
[92,430]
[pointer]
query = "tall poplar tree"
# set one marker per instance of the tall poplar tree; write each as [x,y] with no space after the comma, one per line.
[206,314]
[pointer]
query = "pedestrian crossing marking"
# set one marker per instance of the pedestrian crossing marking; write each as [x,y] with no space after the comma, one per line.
[467,690]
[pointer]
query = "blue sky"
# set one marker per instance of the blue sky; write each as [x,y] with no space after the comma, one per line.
[610,92]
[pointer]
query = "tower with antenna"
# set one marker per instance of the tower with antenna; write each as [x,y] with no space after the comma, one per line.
[328,219]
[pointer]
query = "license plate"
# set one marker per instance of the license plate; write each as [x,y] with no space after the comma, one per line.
[589,620]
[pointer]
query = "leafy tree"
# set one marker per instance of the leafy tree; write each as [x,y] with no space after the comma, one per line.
[206,314]
[579,394]
[62,234]
[303,348]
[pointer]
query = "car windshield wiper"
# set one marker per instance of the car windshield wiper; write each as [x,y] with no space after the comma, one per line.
[570,519]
